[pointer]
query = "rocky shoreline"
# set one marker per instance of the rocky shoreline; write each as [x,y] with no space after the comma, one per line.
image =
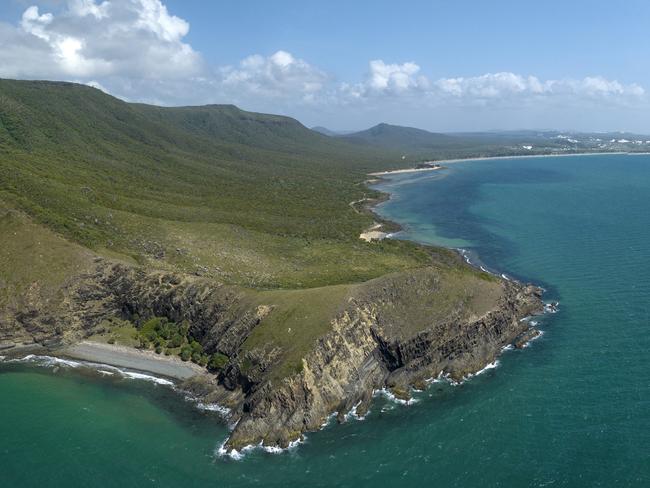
[367,349]
[360,356]
[385,336]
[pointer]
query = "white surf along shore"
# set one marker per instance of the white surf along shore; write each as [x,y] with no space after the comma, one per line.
[123,362]
[131,358]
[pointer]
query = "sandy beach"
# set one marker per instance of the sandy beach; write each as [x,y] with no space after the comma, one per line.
[127,357]
[487,158]
[407,170]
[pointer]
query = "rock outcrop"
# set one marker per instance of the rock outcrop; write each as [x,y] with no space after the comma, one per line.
[376,341]
[359,357]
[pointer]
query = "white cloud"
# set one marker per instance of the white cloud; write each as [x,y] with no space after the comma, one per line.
[153,17]
[34,23]
[597,86]
[490,85]
[385,79]
[506,86]
[81,8]
[404,82]
[137,49]
[87,39]
[394,77]
[279,75]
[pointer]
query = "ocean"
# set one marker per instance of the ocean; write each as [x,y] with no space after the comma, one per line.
[572,409]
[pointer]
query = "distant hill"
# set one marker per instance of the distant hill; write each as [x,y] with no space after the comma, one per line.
[331,133]
[398,137]
[413,143]
[325,131]
[417,144]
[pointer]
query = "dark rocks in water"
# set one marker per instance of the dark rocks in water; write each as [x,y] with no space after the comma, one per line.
[551,307]
[400,393]
[523,340]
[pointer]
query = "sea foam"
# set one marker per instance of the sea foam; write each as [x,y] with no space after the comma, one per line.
[103,369]
[239,454]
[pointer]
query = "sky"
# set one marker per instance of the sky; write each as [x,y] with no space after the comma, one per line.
[440,65]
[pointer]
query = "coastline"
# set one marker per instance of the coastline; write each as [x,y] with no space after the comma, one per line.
[379,231]
[131,358]
[487,158]
[171,367]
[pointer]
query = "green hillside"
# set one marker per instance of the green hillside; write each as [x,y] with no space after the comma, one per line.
[404,138]
[259,206]
[251,199]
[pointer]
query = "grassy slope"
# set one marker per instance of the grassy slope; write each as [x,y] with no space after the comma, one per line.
[32,258]
[249,199]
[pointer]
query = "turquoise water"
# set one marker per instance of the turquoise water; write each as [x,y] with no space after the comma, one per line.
[571,410]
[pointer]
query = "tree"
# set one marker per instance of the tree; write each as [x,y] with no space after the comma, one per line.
[218,361]
[176,340]
[186,353]
[184,328]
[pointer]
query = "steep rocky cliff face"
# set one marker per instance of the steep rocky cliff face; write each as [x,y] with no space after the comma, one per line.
[360,355]
[393,332]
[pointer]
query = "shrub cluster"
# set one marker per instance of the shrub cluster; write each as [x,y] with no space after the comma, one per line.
[166,336]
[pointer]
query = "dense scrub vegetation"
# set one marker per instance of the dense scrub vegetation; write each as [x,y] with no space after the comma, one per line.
[255,201]
[251,199]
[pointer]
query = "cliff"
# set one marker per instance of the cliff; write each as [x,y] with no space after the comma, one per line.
[393,332]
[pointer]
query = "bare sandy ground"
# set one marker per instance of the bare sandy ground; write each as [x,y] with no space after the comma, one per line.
[126,357]
[373,233]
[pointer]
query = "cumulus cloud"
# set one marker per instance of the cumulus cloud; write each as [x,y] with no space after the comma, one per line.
[495,86]
[387,79]
[395,78]
[137,49]
[404,82]
[87,39]
[279,75]
[490,85]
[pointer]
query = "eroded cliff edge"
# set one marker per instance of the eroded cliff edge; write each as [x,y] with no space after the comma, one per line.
[392,332]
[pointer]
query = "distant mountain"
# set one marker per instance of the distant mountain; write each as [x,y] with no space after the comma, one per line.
[331,133]
[418,144]
[325,131]
[406,139]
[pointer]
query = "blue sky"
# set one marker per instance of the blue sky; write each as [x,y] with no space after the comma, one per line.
[440,65]
[449,38]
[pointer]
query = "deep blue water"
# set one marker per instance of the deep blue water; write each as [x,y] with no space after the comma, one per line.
[571,410]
